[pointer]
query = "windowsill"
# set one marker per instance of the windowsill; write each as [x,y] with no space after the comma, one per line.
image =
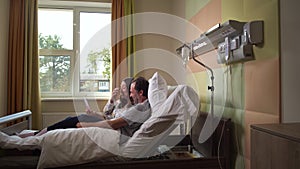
[54,99]
[71,104]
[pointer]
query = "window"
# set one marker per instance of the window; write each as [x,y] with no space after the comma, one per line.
[74,49]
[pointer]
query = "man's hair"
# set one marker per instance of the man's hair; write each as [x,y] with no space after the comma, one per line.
[141,84]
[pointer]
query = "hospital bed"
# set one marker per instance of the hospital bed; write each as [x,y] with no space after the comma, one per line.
[214,153]
[152,146]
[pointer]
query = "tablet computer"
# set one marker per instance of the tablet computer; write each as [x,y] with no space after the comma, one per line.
[87,106]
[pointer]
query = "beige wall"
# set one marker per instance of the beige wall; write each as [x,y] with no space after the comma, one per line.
[156,50]
[4,14]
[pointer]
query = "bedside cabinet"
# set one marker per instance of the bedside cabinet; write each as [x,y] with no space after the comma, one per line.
[275,146]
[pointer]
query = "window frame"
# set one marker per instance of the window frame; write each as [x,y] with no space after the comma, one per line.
[75,52]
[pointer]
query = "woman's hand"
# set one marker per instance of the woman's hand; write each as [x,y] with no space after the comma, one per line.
[115,94]
[95,114]
[90,112]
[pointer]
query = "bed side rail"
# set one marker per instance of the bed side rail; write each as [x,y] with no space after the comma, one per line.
[25,124]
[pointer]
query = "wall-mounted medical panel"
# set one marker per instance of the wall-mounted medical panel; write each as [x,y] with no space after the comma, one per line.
[233,41]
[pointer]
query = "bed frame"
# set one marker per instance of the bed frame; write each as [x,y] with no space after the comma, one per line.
[25,123]
[216,150]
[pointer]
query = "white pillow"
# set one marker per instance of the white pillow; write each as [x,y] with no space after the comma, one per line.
[157,92]
[181,104]
[65,147]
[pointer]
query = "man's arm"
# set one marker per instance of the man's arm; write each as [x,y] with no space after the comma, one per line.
[112,124]
[96,114]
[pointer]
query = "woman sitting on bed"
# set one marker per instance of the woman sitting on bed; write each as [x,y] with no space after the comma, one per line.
[111,110]
[132,118]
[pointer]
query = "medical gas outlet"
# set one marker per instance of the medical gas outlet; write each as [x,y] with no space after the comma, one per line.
[240,48]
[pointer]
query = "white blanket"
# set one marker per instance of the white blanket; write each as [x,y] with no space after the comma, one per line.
[67,146]
[76,146]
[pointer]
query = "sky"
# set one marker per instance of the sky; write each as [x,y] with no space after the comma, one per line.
[60,22]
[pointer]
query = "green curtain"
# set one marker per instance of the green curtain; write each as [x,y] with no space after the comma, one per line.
[23,60]
[122,47]
[32,98]
[129,27]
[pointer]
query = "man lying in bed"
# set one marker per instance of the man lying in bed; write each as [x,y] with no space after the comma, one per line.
[82,145]
[131,119]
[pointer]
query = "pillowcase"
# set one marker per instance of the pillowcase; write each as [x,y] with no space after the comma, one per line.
[171,89]
[157,92]
[182,103]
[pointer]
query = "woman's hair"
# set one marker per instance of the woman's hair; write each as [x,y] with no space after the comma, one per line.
[128,82]
[141,84]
